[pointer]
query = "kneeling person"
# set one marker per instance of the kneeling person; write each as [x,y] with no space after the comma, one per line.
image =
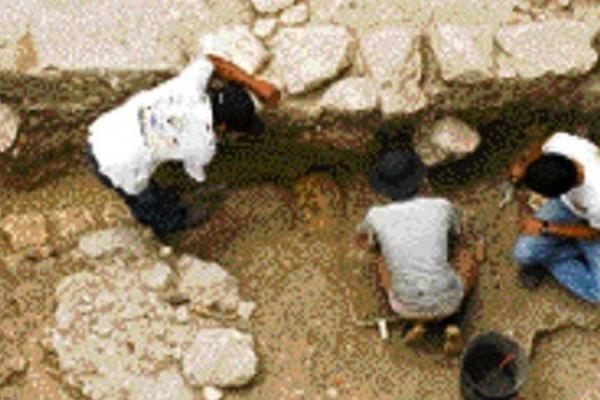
[421,284]
[563,237]
[177,121]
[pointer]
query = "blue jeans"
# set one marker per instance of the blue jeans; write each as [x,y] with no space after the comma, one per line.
[574,263]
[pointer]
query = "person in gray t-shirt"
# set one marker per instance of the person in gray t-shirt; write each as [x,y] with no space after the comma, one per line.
[413,264]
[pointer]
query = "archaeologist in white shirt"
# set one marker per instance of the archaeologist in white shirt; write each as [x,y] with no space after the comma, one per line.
[176,121]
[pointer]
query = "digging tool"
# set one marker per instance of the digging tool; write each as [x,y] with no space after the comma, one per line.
[508,193]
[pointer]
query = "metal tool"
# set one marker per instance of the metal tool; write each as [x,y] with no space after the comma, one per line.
[508,191]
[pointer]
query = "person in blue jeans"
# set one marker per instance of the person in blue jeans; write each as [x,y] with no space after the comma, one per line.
[563,238]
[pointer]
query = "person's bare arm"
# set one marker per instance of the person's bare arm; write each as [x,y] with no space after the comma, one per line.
[519,166]
[533,227]
[383,273]
[264,90]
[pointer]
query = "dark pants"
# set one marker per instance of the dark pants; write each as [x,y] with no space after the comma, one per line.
[155,206]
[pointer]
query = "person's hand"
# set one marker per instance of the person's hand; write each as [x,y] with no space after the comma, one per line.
[530,227]
[516,172]
[268,93]
[362,241]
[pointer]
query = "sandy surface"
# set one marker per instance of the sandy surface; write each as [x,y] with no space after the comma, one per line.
[305,282]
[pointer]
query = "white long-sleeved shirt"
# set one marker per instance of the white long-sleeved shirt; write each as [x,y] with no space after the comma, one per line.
[172,121]
[583,200]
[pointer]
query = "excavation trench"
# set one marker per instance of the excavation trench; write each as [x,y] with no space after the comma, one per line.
[308,280]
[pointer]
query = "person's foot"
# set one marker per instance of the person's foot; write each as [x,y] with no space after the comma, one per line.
[415,335]
[454,342]
[531,277]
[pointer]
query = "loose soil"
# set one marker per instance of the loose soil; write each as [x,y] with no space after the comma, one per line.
[310,282]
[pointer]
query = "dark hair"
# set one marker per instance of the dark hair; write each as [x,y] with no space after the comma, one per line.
[551,175]
[233,106]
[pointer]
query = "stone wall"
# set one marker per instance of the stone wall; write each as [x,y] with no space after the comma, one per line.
[64,62]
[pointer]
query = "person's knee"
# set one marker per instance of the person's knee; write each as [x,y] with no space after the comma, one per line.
[525,254]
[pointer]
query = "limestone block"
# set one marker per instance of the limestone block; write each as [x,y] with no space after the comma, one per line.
[393,58]
[295,15]
[265,27]
[220,357]
[464,53]
[238,45]
[351,95]
[271,6]
[308,57]
[559,47]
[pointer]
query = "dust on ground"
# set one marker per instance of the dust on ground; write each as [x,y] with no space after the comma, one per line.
[306,281]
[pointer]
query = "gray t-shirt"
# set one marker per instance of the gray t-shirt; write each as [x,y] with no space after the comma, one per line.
[413,236]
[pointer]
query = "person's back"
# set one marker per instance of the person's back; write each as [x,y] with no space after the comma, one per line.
[413,236]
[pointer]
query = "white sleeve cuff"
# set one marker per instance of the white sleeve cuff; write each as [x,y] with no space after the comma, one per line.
[195,170]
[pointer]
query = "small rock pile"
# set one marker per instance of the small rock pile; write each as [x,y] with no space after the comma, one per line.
[143,321]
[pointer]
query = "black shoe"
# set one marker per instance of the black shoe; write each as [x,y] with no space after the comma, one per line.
[531,277]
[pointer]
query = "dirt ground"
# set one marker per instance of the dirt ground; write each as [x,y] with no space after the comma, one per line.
[309,281]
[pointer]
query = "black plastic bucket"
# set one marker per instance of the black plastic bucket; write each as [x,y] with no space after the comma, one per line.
[493,367]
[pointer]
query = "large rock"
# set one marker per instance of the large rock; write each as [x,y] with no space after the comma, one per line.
[447,139]
[308,57]
[351,95]
[271,6]
[464,53]
[295,15]
[97,244]
[115,338]
[238,45]
[207,284]
[265,27]
[559,47]
[393,58]
[25,230]
[220,357]
[9,127]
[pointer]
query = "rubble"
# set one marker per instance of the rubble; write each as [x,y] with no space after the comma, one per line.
[71,221]
[392,57]
[271,6]
[308,57]
[245,309]
[295,15]
[220,357]
[25,230]
[559,47]
[265,27]
[9,127]
[115,337]
[351,95]
[464,53]
[212,393]
[447,139]
[157,277]
[207,284]
[97,244]
[238,45]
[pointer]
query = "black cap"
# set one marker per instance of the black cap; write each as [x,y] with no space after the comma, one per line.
[398,174]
